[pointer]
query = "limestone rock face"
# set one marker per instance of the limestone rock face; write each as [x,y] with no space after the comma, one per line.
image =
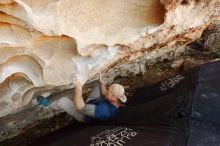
[45,43]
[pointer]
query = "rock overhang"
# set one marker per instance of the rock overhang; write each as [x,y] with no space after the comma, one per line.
[46,43]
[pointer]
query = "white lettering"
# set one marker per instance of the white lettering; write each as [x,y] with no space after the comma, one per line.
[171,82]
[115,137]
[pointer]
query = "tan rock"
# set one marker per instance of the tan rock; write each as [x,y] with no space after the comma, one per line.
[177,63]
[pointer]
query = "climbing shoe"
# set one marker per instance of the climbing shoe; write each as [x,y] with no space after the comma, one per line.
[43,101]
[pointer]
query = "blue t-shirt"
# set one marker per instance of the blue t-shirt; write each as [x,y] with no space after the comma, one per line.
[104,110]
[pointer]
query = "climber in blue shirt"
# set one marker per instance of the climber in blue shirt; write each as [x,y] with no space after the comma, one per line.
[102,103]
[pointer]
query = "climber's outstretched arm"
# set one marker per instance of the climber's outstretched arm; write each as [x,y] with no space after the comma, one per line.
[77,94]
[102,86]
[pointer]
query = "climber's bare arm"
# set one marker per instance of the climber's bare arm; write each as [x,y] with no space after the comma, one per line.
[102,86]
[77,95]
